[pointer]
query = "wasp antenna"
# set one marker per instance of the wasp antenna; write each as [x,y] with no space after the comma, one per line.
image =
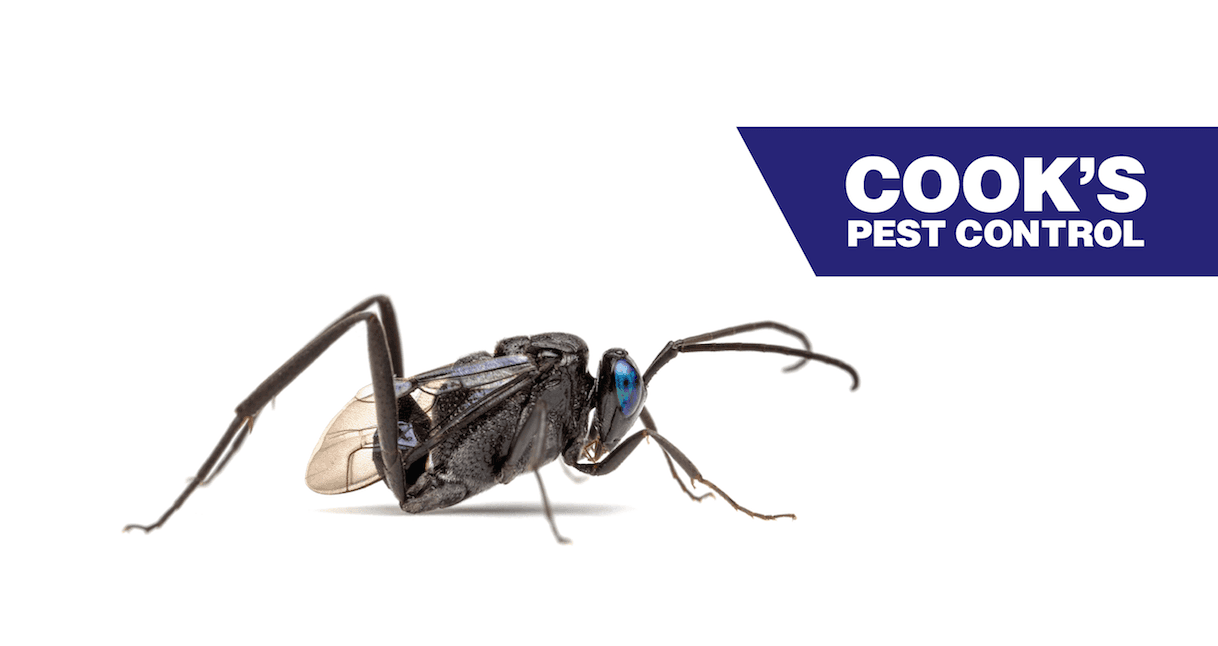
[676,347]
[749,327]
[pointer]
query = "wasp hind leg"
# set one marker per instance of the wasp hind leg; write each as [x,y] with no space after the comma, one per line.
[431,492]
[384,357]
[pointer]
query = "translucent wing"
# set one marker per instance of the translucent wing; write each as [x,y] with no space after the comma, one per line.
[342,459]
[448,396]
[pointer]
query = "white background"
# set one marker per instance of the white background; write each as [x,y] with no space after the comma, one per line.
[190,193]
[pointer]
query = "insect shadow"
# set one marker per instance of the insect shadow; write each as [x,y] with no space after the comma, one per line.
[444,435]
[500,509]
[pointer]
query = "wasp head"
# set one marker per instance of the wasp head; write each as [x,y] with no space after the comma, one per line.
[620,393]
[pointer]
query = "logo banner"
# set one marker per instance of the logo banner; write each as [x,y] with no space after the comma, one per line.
[996,201]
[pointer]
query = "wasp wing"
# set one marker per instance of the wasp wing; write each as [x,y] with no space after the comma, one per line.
[342,459]
[450,397]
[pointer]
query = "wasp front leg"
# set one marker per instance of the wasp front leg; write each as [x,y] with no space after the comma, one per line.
[650,423]
[619,455]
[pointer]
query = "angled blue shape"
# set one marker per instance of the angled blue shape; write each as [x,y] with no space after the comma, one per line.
[805,169]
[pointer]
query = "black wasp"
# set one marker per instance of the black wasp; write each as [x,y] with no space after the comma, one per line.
[445,435]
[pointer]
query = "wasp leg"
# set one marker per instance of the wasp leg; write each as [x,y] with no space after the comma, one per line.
[695,476]
[619,455]
[381,361]
[575,477]
[537,424]
[649,422]
[389,321]
[545,501]
[232,449]
[533,435]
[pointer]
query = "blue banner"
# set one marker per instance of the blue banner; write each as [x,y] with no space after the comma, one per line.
[996,201]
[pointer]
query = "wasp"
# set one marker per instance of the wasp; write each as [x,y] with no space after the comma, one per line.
[442,436]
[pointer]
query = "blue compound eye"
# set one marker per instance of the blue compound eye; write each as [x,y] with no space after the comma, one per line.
[626,379]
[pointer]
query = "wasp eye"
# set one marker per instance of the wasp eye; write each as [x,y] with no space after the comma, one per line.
[626,379]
